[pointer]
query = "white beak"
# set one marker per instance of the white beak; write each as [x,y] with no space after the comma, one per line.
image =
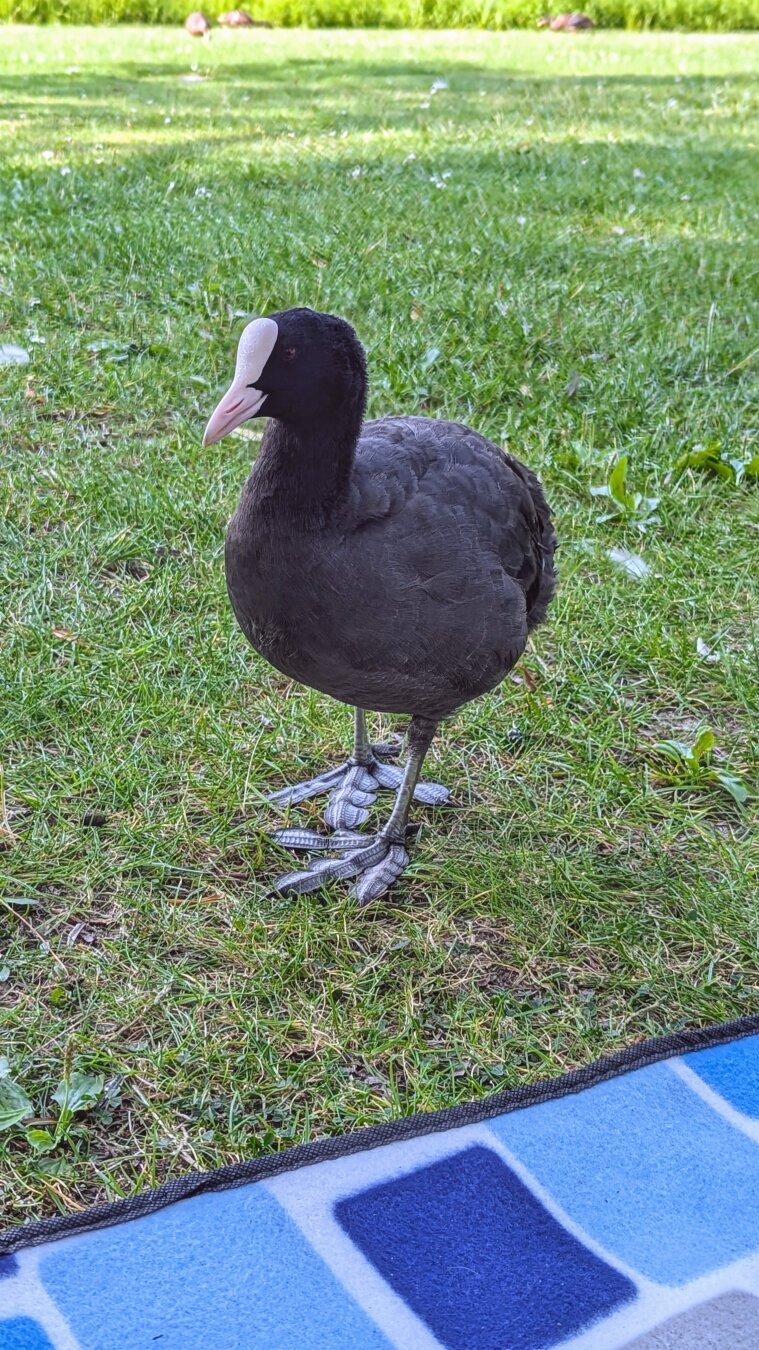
[238,404]
[243,400]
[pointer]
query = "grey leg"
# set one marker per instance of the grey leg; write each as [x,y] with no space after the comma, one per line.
[375,862]
[353,786]
[349,802]
[362,750]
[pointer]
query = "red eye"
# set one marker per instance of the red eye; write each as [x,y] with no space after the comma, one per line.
[289,354]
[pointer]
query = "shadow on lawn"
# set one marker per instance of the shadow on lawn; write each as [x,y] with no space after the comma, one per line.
[583,184]
[315,90]
[307,96]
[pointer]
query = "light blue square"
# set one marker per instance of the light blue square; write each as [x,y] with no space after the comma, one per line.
[228,1270]
[648,1170]
[733,1071]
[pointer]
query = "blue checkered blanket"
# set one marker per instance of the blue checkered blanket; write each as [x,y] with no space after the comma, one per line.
[621,1208]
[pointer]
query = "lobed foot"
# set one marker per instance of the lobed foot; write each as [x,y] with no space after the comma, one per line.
[353,788]
[375,862]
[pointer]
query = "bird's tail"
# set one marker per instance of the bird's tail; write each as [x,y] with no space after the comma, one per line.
[542,584]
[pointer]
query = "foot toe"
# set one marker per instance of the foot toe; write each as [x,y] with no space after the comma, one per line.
[298,839]
[360,779]
[348,804]
[300,792]
[375,881]
[388,749]
[345,815]
[311,879]
[388,775]
[432,794]
[310,841]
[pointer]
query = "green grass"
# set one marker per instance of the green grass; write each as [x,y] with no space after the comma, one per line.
[706,15]
[568,226]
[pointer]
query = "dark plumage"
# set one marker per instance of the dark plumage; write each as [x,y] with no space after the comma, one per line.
[396,565]
[415,591]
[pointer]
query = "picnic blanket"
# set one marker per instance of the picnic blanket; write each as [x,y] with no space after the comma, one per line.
[615,1206]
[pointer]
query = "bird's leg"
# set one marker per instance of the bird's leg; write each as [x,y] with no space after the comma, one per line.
[349,802]
[376,862]
[353,786]
[362,750]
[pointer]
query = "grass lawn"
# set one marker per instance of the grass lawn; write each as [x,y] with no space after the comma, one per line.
[555,248]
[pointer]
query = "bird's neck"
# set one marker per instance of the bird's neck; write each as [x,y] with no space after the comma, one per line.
[303,470]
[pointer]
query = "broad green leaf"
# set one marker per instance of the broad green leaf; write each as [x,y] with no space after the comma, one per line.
[14,1104]
[701,459]
[56,1167]
[78,1092]
[709,459]
[685,461]
[723,468]
[41,1140]
[676,750]
[704,742]
[751,469]
[732,784]
[617,483]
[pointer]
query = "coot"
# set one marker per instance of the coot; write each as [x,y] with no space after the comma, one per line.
[397,565]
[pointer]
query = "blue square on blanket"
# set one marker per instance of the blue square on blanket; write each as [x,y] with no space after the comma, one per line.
[479,1258]
[8,1266]
[227,1270]
[648,1170]
[732,1071]
[21,1333]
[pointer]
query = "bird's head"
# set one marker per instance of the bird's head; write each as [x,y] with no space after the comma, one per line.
[296,366]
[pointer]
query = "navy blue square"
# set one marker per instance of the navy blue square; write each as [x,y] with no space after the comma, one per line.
[8,1266]
[478,1257]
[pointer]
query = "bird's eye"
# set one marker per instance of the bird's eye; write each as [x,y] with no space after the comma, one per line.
[289,354]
